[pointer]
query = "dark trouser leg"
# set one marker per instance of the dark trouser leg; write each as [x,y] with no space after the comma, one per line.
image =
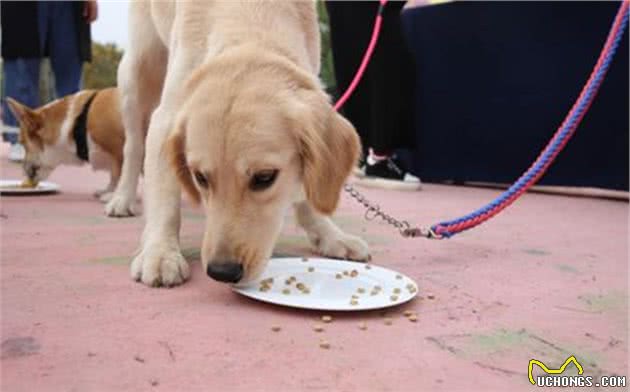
[64,49]
[392,79]
[20,81]
[351,25]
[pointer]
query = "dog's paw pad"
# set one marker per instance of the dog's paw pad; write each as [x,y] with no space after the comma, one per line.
[344,247]
[119,206]
[160,267]
[106,197]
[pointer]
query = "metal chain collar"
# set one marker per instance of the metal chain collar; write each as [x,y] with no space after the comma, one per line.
[373,211]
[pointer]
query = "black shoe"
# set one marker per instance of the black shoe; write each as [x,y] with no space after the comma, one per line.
[389,173]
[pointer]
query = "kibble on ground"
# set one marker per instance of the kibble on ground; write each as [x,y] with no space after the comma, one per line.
[324,344]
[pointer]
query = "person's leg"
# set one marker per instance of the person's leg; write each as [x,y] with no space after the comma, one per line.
[351,25]
[64,48]
[392,77]
[392,80]
[20,81]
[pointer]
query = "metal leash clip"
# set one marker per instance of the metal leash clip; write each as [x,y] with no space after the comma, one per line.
[413,232]
[373,211]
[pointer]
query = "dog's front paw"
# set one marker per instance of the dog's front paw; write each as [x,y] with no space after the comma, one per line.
[120,206]
[97,194]
[159,266]
[105,197]
[343,246]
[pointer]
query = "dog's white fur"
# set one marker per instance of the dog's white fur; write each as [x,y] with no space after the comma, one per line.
[228,88]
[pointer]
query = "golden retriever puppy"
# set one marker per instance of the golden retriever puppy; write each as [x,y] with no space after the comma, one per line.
[241,124]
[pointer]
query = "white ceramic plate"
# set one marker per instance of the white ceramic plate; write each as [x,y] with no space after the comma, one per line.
[327,292]
[12,187]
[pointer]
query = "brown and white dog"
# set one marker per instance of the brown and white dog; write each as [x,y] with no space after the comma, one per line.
[81,128]
[236,117]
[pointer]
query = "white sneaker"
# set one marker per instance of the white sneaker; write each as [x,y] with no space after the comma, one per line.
[16,152]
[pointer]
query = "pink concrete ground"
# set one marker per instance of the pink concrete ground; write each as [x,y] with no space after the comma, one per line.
[545,280]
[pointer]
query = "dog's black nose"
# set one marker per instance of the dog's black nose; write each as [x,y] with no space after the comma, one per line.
[228,272]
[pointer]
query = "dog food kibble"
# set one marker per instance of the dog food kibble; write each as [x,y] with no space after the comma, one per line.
[362,326]
[367,266]
[388,321]
[360,290]
[396,290]
[354,273]
[318,328]
[431,296]
[338,276]
[276,328]
[394,298]
[408,313]
[354,302]
[311,269]
[288,282]
[346,273]
[286,291]
[373,292]
[264,288]
[413,318]
[326,318]
[324,344]
[398,276]
[354,296]
[300,286]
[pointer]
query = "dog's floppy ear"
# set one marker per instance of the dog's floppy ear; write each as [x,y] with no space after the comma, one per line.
[27,117]
[329,148]
[176,151]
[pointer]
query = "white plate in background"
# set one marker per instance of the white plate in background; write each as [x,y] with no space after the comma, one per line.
[13,187]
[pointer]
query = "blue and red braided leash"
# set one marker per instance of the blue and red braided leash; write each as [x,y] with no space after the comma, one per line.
[447,229]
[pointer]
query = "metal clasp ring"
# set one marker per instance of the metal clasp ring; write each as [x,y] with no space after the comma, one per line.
[405,229]
[374,210]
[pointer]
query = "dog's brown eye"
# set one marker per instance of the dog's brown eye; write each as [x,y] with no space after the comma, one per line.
[201,179]
[263,180]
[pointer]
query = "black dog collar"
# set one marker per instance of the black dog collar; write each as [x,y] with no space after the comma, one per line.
[79,131]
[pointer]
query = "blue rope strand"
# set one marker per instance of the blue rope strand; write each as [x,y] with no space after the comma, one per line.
[566,131]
